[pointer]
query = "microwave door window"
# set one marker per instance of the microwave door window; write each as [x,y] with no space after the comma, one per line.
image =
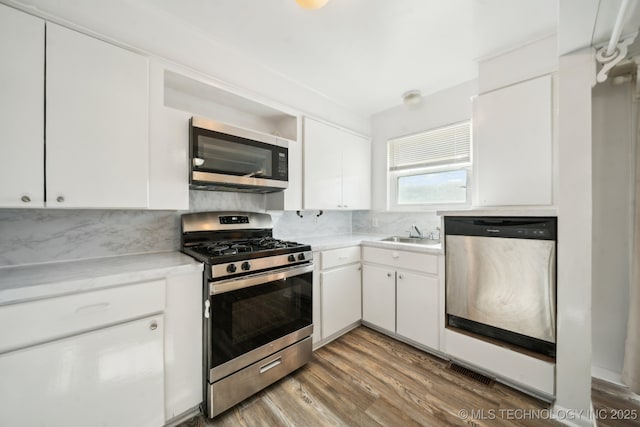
[235,158]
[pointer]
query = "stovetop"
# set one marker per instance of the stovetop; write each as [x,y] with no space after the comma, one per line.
[233,244]
[217,252]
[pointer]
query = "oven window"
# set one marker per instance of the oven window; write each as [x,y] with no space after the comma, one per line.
[248,318]
[235,158]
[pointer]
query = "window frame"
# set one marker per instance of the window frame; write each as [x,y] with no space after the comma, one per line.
[393,175]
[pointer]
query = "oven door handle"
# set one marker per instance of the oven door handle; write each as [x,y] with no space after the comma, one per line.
[257,279]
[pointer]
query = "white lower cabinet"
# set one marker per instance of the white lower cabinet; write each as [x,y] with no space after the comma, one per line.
[340,290]
[417,308]
[183,344]
[402,301]
[379,296]
[125,355]
[110,377]
[341,298]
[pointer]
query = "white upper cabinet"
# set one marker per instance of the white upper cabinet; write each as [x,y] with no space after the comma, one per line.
[512,145]
[337,168]
[96,123]
[21,109]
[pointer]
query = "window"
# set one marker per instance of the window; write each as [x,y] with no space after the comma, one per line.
[430,168]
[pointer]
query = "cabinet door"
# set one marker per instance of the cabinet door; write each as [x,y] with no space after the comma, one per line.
[322,166]
[183,344]
[108,377]
[512,137]
[341,298]
[97,123]
[417,308]
[21,109]
[356,172]
[379,297]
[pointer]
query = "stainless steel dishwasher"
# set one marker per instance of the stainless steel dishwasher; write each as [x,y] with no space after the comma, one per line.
[501,279]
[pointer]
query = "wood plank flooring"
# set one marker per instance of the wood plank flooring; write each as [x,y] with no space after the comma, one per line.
[368,379]
[614,405]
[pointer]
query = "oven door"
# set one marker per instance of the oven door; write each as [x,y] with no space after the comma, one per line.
[254,316]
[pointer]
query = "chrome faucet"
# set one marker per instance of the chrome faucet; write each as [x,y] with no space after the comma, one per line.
[415,227]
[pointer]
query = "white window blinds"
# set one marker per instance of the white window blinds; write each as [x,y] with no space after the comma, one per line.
[445,145]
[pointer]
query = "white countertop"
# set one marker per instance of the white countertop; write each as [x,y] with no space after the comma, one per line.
[502,211]
[28,282]
[323,243]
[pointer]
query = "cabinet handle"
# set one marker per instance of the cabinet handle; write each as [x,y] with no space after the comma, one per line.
[60,199]
[153,326]
[345,206]
[395,255]
[270,365]
[25,198]
[92,308]
[339,206]
[207,304]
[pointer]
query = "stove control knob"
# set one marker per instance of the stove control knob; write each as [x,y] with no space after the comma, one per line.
[245,266]
[291,258]
[301,257]
[231,268]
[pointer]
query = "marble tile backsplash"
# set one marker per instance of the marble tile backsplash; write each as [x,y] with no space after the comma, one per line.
[44,235]
[288,225]
[41,235]
[393,223]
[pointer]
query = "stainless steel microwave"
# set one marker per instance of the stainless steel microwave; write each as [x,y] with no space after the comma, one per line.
[234,159]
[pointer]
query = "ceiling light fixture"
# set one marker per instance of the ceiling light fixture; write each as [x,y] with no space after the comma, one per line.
[412,97]
[312,4]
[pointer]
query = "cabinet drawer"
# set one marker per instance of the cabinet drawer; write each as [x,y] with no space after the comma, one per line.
[426,263]
[337,257]
[48,319]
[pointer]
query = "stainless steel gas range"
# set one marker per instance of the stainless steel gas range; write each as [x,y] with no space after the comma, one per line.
[257,304]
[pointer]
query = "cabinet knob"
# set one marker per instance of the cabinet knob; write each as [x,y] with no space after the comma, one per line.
[60,199]
[395,255]
[153,326]
[400,276]
[388,274]
[25,198]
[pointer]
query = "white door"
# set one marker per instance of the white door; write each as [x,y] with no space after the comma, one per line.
[322,166]
[97,123]
[356,172]
[108,377]
[341,298]
[21,109]
[379,296]
[512,145]
[417,308]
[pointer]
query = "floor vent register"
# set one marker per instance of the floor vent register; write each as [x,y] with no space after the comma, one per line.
[482,379]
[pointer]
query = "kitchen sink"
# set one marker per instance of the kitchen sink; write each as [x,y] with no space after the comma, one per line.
[413,240]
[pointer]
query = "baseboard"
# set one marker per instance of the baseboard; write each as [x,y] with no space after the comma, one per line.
[607,375]
[186,415]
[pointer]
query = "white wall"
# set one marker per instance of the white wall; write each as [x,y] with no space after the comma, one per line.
[439,109]
[142,26]
[576,76]
[613,141]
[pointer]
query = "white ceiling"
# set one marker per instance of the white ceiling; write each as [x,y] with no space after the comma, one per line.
[363,54]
